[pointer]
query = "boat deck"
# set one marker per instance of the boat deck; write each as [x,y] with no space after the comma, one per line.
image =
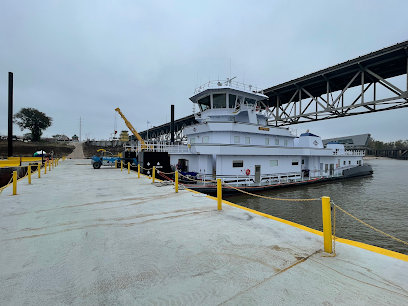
[79,236]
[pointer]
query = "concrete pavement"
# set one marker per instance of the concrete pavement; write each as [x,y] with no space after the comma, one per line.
[80,236]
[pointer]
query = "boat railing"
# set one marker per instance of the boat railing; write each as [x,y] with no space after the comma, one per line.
[159,147]
[275,178]
[229,83]
[350,153]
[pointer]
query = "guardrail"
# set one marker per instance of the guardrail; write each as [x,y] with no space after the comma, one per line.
[229,83]
[350,153]
[15,178]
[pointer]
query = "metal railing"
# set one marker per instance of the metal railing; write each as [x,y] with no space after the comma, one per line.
[159,147]
[229,83]
[350,153]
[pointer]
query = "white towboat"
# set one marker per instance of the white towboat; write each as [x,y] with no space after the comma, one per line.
[234,142]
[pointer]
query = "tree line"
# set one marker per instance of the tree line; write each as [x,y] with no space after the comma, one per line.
[392,145]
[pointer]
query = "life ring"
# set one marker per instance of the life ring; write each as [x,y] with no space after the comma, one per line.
[247,172]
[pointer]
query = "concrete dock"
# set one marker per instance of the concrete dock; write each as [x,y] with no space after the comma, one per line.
[80,236]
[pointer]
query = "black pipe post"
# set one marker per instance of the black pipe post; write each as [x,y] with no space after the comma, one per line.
[10,114]
[172,124]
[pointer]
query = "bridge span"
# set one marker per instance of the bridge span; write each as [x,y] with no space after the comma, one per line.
[321,95]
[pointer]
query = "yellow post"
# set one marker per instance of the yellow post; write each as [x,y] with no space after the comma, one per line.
[39,170]
[219,194]
[327,226]
[29,174]
[121,166]
[154,173]
[49,165]
[116,164]
[45,167]
[138,170]
[128,168]
[176,181]
[57,161]
[14,182]
[52,163]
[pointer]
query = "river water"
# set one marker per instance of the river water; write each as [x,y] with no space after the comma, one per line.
[380,200]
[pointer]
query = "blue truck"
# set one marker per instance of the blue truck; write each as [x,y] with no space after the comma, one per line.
[106,158]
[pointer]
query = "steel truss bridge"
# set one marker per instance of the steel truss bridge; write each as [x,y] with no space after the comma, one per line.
[321,95]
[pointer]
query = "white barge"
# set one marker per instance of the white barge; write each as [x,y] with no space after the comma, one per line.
[234,142]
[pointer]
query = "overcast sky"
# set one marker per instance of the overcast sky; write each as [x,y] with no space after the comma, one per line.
[82,59]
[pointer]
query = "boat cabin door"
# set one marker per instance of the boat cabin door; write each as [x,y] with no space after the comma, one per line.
[331,169]
[183,165]
[257,173]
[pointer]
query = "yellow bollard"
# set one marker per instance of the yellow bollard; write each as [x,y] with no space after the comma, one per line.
[29,174]
[49,165]
[45,167]
[327,226]
[154,173]
[219,194]
[57,161]
[138,171]
[116,164]
[14,182]
[121,166]
[39,170]
[176,181]
[128,168]
[52,163]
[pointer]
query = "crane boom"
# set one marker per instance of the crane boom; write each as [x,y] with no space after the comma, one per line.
[131,128]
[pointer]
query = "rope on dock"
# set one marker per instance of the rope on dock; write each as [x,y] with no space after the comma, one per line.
[270,198]
[370,226]
[201,181]
[8,184]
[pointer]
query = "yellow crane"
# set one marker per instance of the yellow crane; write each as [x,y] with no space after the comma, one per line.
[131,128]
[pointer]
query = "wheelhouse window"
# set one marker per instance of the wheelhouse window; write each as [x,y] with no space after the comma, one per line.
[266,141]
[231,101]
[285,142]
[204,103]
[273,162]
[295,162]
[277,142]
[219,101]
[206,139]
[236,139]
[237,163]
[249,101]
[192,140]
[247,140]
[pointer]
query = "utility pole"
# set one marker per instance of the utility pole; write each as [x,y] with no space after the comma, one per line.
[10,114]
